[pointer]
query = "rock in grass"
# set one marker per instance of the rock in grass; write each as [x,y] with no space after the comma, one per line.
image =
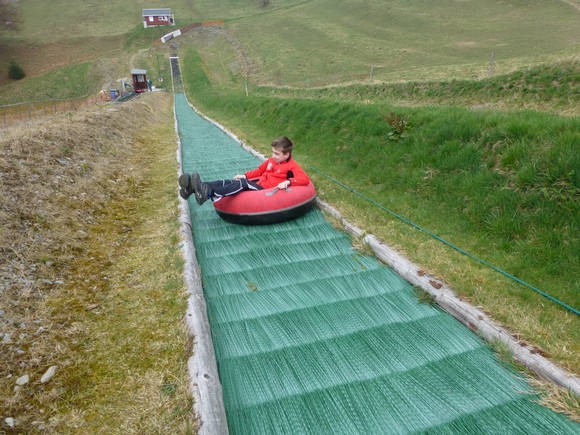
[47,376]
[9,422]
[22,380]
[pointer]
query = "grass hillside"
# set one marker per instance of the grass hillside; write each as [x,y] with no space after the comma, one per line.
[324,42]
[59,33]
[90,274]
[550,87]
[63,19]
[304,43]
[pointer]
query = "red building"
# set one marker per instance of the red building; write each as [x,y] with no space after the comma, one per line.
[158,17]
[140,83]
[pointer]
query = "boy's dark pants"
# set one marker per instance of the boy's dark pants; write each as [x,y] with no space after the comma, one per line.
[221,188]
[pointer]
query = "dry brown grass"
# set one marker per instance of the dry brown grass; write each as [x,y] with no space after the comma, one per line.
[26,115]
[90,274]
[557,398]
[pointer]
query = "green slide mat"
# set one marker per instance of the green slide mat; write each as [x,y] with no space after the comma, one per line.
[311,336]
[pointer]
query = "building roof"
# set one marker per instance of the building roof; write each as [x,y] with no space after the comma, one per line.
[138,71]
[157,12]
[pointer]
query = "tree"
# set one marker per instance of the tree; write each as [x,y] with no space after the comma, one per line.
[15,71]
[10,17]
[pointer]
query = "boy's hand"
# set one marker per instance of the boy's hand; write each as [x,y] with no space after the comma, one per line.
[283,184]
[237,177]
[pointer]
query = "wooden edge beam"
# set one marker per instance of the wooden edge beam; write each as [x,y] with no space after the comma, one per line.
[204,379]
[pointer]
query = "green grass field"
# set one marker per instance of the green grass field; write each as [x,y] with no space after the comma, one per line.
[325,42]
[313,43]
[62,19]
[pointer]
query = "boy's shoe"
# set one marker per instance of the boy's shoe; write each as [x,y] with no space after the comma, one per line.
[185,186]
[201,190]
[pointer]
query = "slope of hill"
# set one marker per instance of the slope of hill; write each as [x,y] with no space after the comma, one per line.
[90,277]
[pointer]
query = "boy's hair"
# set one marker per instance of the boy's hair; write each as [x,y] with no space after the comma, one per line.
[283,144]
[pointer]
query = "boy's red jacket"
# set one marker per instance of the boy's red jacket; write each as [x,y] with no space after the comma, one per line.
[270,173]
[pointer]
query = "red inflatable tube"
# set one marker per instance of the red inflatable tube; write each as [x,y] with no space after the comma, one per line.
[268,206]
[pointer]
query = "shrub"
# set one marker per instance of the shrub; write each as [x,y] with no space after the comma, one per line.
[15,71]
[398,124]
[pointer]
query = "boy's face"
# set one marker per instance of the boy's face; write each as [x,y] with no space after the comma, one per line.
[279,156]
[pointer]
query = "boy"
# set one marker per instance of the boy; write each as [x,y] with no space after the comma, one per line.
[279,171]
